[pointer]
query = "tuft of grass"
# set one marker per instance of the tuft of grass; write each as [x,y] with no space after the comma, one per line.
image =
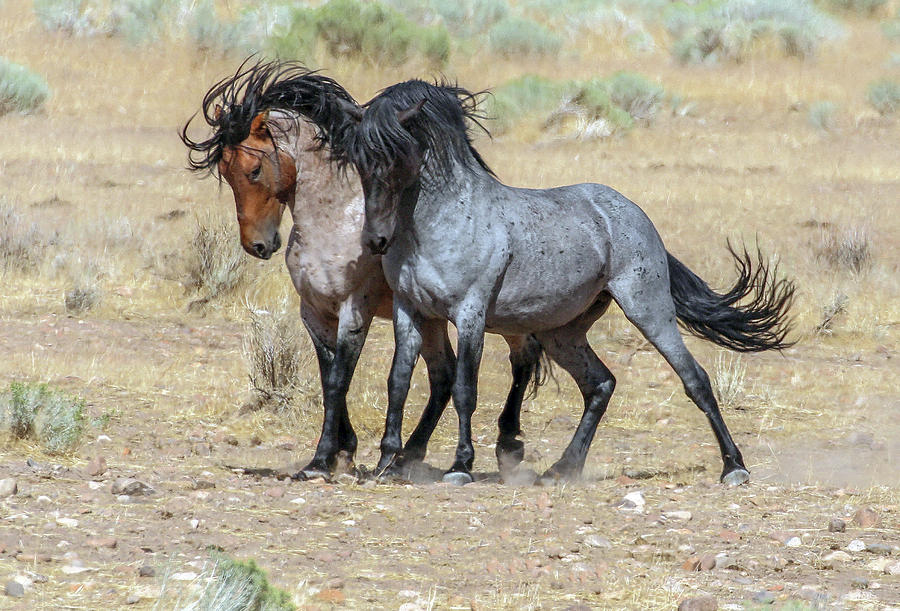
[37,411]
[884,96]
[728,379]
[279,357]
[216,261]
[522,37]
[850,249]
[22,244]
[821,115]
[833,309]
[82,297]
[231,585]
[21,90]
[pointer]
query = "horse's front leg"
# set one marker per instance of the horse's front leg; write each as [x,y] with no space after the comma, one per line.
[338,439]
[470,321]
[407,343]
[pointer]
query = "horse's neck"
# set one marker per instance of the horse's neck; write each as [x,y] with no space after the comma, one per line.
[325,200]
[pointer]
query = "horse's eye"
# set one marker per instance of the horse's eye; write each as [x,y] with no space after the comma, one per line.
[254,175]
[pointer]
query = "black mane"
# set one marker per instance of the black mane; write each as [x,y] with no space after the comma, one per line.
[267,86]
[442,128]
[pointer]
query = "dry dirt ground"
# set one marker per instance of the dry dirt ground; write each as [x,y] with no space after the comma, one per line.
[100,170]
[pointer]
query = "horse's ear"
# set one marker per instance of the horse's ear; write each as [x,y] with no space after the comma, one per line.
[405,115]
[355,112]
[218,112]
[259,125]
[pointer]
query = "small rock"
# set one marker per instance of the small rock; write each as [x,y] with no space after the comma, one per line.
[15,589]
[882,549]
[186,576]
[691,564]
[132,599]
[275,492]
[556,553]
[96,467]
[335,583]
[835,558]
[837,525]
[866,517]
[74,569]
[878,565]
[699,603]
[860,438]
[633,501]
[892,569]
[707,562]
[597,541]
[793,542]
[681,516]
[860,583]
[763,597]
[231,440]
[8,487]
[856,546]
[730,536]
[128,486]
[146,571]
[195,524]
[67,522]
[107,542]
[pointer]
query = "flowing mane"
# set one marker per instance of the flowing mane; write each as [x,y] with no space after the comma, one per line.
[442,128]
[232,103]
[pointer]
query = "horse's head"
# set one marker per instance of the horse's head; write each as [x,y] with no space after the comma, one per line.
[410,131]
[262,178]
[389,161]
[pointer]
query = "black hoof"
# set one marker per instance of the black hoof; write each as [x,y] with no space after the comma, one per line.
[736,477]
[560,472]
[510,452]
[313,470]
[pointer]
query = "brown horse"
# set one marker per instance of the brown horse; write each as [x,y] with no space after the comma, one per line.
[275,159]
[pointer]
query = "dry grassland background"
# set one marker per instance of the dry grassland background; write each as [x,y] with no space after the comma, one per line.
[99,230]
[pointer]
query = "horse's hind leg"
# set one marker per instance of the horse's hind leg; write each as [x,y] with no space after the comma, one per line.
[568,346]
[524,355]
[654,314]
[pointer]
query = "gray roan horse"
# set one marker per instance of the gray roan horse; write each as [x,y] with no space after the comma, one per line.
[274,158]
[461,246]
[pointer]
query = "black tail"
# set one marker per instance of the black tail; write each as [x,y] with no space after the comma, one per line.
[761,323]
[542,367]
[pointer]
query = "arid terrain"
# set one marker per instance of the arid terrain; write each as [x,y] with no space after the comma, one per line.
[97,175]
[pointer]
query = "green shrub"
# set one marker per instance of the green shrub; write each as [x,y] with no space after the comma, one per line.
[20,89]
[232,585]
[296,39]
[729,28]
[379,33]
[884,96]
[522,96]
[821,115]
[865,7]
[600,105]
[69,16]
[639,97]
[34,410]
[462,17]
[518,36]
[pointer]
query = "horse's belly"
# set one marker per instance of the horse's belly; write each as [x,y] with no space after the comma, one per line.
[530,314]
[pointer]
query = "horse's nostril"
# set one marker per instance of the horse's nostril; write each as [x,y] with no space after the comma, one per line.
[378,245]
[277,243]
[259,248]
